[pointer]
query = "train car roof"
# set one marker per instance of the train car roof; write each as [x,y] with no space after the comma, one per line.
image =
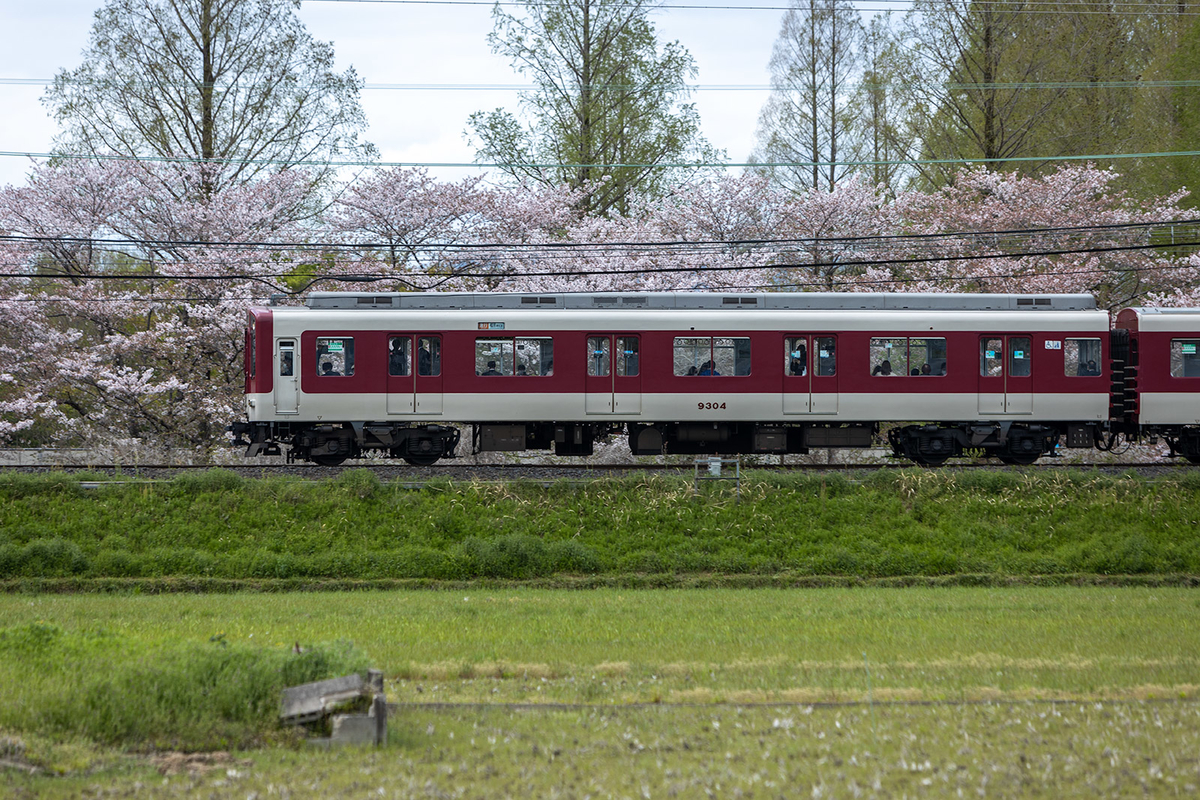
[1184,320]
[776,301]
[346,311]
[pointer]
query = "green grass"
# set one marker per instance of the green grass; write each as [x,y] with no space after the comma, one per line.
[1023,750]
[611,646]
[96,685]
[894,524]
[1056,690]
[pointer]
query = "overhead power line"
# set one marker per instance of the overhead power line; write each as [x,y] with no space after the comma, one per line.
[911,162]
[1009,6]
[1177,231]
[645,270]
[702,87]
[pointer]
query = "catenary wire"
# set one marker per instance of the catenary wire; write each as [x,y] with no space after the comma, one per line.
[701,269]
[873,239]
[911,162]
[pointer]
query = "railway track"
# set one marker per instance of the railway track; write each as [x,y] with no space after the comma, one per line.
[550,472]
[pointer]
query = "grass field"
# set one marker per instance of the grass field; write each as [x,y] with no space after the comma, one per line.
[890,524]
[876,692]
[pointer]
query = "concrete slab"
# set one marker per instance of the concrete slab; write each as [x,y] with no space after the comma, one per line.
[311,701]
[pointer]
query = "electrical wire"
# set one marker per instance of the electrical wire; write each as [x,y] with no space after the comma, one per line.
[722,87]
[1010,6]
[688,165]
[1190,226]
[840,264]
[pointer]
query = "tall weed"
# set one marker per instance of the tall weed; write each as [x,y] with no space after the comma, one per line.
[193,696]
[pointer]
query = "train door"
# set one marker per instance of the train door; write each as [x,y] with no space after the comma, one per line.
[287,396]
[614,380]
[1005,374]
[810,374]
[414,374]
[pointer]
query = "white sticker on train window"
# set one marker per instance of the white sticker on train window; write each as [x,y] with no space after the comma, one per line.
[1189,349]
[1053,345]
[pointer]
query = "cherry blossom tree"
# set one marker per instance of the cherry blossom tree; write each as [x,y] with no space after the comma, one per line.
[124,311]
[1080,204]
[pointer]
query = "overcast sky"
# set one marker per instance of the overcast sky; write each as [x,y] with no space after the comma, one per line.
[403,44]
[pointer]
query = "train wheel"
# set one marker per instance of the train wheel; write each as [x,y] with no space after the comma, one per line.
[931,460]
[422,460]
[329,461]
[1194,459]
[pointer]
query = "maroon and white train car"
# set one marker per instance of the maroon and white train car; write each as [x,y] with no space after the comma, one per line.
[1158,363]
[1013,375]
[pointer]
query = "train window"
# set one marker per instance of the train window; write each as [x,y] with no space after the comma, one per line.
[599,356]
[991,358]
[1185,358]
[251,346]
[927,357]
[335,356]
[535,356]
[627,356]
[400,356]
[732,355]
[429,355]
[795,357]
[900,355]
[287,351]
[702,355]
[1081,357]
[889,356]
[825,359]
[691,353]
[531,356]
[493,357]
[1018,356]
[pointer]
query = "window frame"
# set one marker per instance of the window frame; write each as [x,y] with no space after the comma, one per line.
[510,349]
[1014,356]
[435,356]
[812,361]
[621,356]
[287,346]
[407,348]
[1078,349]
[347,356]
[927,345]
[736,359]
[1183,357]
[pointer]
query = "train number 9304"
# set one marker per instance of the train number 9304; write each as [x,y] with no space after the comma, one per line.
[714,406]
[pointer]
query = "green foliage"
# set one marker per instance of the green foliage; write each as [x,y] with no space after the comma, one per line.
[243,83]
[884,524]
[608,102]
[210,480]
[42,558]
[184,696]
[20,484]
[360,483]
[520,556]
